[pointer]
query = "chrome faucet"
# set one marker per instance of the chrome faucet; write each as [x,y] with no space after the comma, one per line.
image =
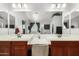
[39,36]
[19,35]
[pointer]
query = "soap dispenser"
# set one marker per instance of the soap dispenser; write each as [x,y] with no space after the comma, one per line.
[17,32]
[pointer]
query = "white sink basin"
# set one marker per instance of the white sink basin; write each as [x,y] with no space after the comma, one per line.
[39,41]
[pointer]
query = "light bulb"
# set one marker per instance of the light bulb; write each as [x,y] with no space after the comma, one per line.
[25,6]
[63,5]
[58,5]
[14,5]
[19,5]
[53,6]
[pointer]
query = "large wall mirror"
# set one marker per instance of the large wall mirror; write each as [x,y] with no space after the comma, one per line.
[31,22]
[75,22]
[38,22]
[3,22]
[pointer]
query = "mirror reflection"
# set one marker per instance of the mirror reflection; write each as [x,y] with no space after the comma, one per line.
[3,22]
[39,22]
[11,24]
[66,29]
[66,22]
[75,22]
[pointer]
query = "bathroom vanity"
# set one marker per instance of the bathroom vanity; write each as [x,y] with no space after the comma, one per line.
[63,46]
[58,48]
[11,45]
[39,31]
[19,30]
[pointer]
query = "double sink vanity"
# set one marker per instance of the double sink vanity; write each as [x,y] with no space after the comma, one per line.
[35,45]
[20,46]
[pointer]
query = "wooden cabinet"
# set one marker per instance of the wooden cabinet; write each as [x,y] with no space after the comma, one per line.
[13,48]
[19,48]
[57,48]
[65,48]
[58,51]
[4,48]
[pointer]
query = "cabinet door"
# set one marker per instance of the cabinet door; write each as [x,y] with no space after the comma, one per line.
[19,50]
[4,51]
[57,51]
[73,48]
[74,51]
[4,48]
[59,48]
[65,48]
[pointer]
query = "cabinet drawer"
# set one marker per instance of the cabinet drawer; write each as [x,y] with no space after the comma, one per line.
[65,43]
[60,43]
[4,43]
[19,43]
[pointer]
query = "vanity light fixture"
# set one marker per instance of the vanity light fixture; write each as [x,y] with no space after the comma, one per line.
[58,5]
[19,5]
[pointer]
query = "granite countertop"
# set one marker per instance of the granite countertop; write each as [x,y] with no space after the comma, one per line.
[48,37]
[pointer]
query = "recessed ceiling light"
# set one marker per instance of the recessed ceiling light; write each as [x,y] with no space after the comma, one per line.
[58,5]
[14,5]
[53,5]
[63,5]
[19,5]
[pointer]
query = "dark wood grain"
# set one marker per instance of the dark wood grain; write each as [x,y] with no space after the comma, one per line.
[65,48]
[19,48]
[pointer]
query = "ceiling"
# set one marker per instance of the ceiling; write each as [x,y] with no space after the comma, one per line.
[31,6]
[37,6]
